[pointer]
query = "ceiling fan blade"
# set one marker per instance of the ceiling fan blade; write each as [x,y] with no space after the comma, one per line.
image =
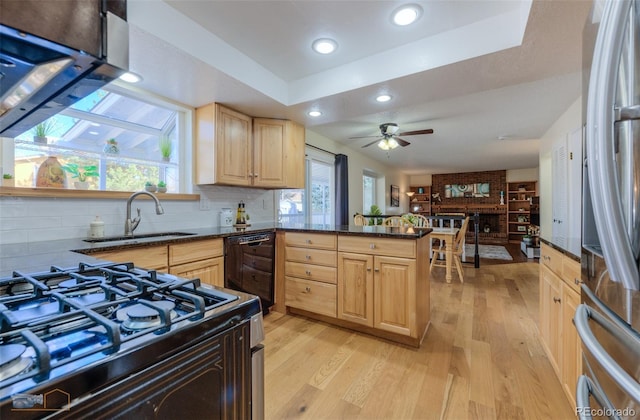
[364,137]
[415,133]
[369,144]
[402,142]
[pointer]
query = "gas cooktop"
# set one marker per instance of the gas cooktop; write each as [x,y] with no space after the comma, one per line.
[55,322]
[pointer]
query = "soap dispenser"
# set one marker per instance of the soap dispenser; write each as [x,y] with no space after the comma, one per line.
[96,228]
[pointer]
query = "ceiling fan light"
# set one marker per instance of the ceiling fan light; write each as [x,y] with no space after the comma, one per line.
[407,14]
[383,144]
[392,143]
[324,45]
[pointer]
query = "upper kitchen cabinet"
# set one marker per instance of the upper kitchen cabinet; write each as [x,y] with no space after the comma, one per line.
[233,149]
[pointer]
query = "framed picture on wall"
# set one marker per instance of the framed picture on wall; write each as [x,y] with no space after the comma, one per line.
[395,196]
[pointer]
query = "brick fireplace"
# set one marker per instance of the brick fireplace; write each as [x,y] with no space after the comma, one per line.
[492,214]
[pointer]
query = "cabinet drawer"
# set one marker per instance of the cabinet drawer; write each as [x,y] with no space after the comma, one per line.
[150,257]
[311,256]
[571,273]
[551,258]
[311,272]
[311,296]
[403,248]
[195,251]
[311,240]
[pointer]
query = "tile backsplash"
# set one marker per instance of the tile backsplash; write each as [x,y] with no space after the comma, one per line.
[29,219]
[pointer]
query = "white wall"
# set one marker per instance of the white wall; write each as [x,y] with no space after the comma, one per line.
[528,174]
[357,164]
[566,123]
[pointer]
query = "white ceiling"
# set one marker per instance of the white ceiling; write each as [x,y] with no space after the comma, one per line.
[471,70]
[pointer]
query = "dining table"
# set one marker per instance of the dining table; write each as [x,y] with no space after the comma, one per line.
[446,234]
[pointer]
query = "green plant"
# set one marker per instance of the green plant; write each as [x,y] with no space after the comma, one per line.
[375,211]
[165,146]
[162,184]
[7,176]
[149,184]
[81,172]
[44,128]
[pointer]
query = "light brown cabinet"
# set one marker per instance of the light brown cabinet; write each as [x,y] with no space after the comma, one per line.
[310,272]
[149,257]
[234,149]
[377,284]
[198,259]
[559,298]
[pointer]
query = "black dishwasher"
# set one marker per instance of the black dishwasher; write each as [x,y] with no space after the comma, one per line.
[249,265]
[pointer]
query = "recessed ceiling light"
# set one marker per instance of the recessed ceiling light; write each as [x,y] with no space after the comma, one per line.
[383,98]
[93,133]
[314,113]
[406,14]
[324,45]
[131,77]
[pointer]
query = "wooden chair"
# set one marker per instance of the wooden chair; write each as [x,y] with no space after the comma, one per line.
[451,222]
[458,249]
[360,220]
[396,221]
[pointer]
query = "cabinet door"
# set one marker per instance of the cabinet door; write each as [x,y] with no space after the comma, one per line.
[571,350]
[233,147]
[208,271]
[550,314]
[269,152]
[148,257]
[394,289]
[559,194]
[355,288]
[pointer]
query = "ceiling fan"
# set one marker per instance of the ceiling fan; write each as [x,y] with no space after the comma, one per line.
[388,139]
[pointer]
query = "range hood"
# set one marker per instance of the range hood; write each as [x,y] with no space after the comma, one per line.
[54,53]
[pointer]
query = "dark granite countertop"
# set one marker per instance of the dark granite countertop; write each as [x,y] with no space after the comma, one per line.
[562,250]
[30,257]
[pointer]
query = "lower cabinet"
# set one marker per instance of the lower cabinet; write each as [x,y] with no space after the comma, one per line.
[148,257]
[355,288]
[559,298]
[210,271]
[312,296]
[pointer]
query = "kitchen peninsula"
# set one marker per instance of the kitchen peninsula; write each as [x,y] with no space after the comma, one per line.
[368,278]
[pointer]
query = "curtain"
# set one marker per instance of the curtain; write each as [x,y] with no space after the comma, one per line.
[342,190]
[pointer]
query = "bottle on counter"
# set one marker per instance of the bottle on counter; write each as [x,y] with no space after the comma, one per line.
[96,228]
[240,215]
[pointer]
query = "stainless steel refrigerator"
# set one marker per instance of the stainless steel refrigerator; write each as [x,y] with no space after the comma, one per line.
[608,320]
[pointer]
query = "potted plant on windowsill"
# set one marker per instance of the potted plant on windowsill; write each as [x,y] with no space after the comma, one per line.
[165,148]
[150,186]
[7,180]
[162,187]
[81,173]
[41,131]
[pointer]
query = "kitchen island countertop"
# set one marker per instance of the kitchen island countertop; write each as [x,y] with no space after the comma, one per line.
[39,256]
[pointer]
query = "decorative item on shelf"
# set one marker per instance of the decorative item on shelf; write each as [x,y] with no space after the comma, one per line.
[111,147]
[502,198]
[522,228]
[150,186]
[420,190]
[7,180]
[165,147]
[50,174]
[522,218]
[162,187]
[522,187]
[81,173]
[41,131]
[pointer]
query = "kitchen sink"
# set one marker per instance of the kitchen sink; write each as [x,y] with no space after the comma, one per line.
[163,235]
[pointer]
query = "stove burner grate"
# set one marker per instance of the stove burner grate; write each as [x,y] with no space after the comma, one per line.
[146,314]
[11,360]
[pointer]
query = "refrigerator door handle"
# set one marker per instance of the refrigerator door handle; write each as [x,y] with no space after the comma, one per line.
[584,390]
[590,342]
[607,207]
[627,113]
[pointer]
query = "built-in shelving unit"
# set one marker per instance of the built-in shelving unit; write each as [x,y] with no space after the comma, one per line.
[518,201]
[420,202]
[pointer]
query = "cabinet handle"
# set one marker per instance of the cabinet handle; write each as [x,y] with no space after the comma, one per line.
[307,257]
[577,281]
[308,241]
[556,300]
[372,246]
[369,269]
[377,270]
[307,290]
[308,272]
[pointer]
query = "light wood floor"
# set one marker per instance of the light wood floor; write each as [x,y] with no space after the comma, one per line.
[480,359]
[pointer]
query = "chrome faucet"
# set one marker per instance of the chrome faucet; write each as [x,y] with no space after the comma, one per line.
[131,225]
